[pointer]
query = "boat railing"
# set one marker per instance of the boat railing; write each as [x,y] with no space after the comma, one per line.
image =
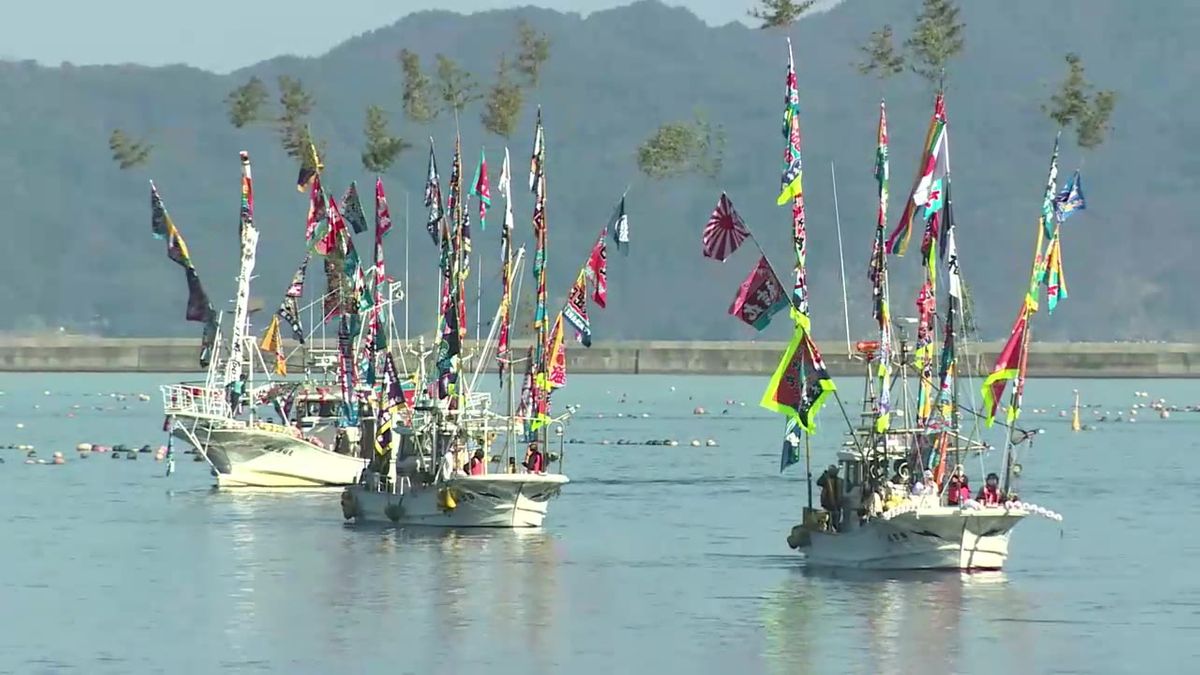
[186,399]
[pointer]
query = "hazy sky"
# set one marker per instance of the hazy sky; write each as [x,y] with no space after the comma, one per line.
[224,35]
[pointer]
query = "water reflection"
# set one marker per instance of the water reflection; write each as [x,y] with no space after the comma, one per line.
[884,622]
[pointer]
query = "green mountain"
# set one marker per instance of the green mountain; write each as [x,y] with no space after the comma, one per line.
[81,254]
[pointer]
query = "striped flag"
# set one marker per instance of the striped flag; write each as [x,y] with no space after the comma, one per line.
[724,232]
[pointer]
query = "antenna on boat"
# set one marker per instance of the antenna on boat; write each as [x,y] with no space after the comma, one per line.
[842,259]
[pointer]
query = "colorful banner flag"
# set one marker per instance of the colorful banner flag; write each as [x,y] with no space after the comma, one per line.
[1056,283]
[349,411]
[506,232]
[724,232]
[557,361]
[760,296]
[575,311]
[160,222]
[930,164]
[801,383]
[878,275]
[316,211]
[792,180]
[352,209]
[1007,367]
[597,270]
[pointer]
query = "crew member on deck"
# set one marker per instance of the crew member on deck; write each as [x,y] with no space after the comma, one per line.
[535,461]
[831,496]
[477,466]
[989,494]
[958,490]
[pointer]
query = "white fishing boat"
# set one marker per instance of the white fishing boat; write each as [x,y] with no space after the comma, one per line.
[916,532]
[874,513]
[261,454]
[441,465]
[221,420]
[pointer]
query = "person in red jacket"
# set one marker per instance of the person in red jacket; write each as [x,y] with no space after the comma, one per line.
[989,494]
[958,490]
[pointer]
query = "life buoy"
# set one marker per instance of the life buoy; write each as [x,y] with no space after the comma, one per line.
[901,467]
[349,505]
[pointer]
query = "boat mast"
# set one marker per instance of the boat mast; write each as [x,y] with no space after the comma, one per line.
[249,242]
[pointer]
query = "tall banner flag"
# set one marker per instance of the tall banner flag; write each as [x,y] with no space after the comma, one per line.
[932,164]
[506,232]
[878,275]
[433,196]
[760,297]
[792,181]
[198,307]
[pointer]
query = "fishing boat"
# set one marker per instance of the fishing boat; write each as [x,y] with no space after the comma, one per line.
[891,502]
[434,462]
[221,417]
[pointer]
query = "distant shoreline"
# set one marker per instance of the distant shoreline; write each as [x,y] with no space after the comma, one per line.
[175,355]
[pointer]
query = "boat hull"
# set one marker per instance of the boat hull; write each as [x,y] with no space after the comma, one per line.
[496,500]
[937,538]
[258,458]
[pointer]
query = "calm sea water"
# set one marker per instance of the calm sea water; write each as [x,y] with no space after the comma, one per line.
[654,560]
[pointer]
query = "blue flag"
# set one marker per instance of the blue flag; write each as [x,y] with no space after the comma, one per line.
[1070,199]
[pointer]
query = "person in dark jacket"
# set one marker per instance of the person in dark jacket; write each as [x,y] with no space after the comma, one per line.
[831,495]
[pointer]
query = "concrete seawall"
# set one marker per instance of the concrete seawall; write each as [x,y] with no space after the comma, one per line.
[161,355]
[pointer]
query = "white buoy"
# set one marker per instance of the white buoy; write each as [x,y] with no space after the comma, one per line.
[46,393]
[20,425]
[711,443]
[695,443]
[1165,414]
[673,443]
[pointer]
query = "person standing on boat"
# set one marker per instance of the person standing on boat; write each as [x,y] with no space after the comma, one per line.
[957,489]
[989,494]
[831,496]
[477,466]
[535,461]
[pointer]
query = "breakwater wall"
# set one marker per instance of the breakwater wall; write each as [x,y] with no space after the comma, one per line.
[164,355]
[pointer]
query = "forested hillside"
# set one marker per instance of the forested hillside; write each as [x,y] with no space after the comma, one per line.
[79,251]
